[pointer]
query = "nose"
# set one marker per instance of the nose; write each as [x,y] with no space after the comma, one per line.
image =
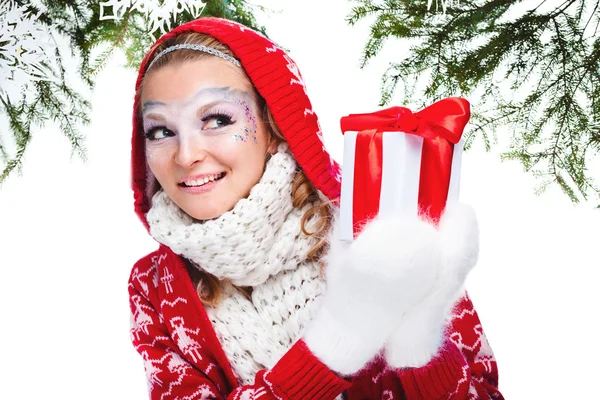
[191,150]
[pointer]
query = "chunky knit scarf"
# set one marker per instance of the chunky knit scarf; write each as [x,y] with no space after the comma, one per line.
[259,244]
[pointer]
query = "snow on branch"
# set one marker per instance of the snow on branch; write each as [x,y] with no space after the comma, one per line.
[26,53]
[443,3]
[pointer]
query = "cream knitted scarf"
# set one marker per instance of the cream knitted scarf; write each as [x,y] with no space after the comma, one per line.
[259,244]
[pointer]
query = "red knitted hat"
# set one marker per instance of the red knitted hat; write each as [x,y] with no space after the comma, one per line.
[278,80]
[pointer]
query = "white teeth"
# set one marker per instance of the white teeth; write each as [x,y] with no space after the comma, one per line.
[202,181]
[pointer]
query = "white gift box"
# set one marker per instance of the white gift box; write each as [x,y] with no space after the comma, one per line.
[400,178]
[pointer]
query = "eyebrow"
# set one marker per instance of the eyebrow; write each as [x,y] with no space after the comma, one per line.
[226,90]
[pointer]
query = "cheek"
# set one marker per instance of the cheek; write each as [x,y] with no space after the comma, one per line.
[158,158]
[236,147]
[245,155]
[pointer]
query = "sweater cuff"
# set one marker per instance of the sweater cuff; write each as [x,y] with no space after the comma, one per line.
[300,375]
[438,378]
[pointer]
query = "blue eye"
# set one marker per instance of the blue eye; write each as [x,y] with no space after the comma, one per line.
[157,133]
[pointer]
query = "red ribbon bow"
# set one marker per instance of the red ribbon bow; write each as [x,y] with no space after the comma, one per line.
[440,125]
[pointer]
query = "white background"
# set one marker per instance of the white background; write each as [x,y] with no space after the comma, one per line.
[69,237]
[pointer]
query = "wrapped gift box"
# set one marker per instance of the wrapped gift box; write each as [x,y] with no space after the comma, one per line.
[397,162]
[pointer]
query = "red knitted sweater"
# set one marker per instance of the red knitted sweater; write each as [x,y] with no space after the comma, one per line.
[184,359]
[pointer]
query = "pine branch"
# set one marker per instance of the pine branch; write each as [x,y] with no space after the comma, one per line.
[536,75]
[51,96]
[22,137]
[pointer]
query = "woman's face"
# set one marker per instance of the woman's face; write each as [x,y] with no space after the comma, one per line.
[205,139]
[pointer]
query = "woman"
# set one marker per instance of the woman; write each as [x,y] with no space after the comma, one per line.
[249,295]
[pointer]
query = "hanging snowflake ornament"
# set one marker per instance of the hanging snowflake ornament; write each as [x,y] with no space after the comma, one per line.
[26,54]
[158,13]
[118,9]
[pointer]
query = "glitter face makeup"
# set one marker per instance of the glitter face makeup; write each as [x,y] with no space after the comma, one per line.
[250,119]
[239,137]
[197,118]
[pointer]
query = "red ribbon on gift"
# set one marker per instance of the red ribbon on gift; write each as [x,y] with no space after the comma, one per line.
[440,125]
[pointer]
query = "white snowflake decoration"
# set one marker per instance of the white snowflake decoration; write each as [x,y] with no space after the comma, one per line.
[158,12]
[26,55]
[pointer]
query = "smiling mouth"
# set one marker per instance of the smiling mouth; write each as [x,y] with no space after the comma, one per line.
[202,181]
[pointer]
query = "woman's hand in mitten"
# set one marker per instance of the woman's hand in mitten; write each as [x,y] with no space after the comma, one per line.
[417,340]
[371,282]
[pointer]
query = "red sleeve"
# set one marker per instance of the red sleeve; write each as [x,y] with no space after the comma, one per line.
[297,375]
[172,375]
[465,367]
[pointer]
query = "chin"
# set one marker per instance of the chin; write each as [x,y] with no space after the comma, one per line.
[205,215]
[209,207]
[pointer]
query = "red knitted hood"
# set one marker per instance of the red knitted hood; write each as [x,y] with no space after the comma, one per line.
[279,82]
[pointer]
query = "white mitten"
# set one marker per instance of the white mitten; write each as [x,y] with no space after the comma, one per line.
[417,340]
[387,270]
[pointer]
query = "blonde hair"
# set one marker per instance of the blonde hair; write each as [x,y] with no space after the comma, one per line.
[210,288]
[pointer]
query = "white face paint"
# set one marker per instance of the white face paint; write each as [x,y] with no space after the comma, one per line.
[210,113]
[206,143]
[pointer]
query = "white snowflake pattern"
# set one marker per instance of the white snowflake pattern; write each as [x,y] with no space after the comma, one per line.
[377,377]
[267,379]
[151,370]
[484,356]
[166,279]
[204,392]
[236,25]
[209,368]
[466,374]
[293,68]
[134,329]
[252,394]
[272,49]
[158,259]
[141,278]
[177,364]
[155,278]
[172,304]
[188,345]
[141,320]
